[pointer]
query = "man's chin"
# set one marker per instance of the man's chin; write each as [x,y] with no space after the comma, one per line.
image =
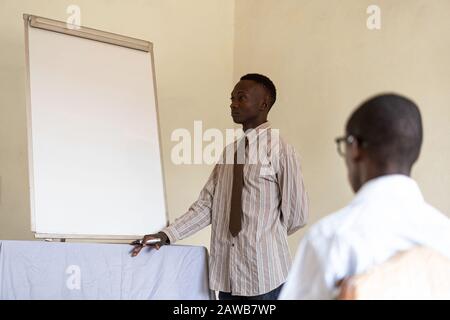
[237,120]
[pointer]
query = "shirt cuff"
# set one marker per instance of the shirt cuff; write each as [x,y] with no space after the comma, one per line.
[171,233]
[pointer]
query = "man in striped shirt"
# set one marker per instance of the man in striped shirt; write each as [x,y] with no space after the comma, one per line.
[254,198]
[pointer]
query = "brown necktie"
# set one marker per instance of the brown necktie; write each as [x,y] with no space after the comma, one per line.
[236,193]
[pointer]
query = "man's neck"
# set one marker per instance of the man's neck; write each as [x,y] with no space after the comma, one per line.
[374,172]
[253,124]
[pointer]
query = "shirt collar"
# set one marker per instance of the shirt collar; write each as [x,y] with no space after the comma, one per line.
[253,134]
[394,185]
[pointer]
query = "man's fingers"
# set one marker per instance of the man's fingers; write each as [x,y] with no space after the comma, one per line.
[138,247]
[136,251]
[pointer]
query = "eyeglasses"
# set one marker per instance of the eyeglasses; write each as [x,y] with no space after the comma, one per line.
[341,141]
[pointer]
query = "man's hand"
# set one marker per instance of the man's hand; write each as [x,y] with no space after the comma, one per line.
[159,235]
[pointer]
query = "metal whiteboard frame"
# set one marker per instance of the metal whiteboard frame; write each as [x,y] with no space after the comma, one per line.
[31,21]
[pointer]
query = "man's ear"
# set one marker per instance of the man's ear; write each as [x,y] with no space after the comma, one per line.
[355,151]
[265,104]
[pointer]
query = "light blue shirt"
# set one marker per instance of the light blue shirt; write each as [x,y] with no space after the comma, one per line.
[388,215]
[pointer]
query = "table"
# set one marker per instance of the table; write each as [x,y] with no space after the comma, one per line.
[55,270]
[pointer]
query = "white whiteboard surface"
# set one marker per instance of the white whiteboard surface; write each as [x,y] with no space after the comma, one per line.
[94,150]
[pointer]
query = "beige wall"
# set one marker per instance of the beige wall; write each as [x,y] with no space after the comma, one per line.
[325,61]
[319,53]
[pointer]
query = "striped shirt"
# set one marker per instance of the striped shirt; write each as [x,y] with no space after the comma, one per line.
[274,205]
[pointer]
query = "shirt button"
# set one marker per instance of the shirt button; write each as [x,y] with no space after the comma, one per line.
[232,244]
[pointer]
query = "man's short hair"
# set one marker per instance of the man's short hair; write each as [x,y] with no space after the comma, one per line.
[390,126]
[266,83]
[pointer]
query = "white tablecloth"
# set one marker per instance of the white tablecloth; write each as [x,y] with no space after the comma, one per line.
[51,270]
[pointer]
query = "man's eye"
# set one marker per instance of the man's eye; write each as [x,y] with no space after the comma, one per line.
[241,98]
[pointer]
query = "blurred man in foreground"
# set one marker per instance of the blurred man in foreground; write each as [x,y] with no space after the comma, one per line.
[388,215]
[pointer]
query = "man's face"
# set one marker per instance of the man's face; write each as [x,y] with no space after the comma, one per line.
[353,169]
[248,101]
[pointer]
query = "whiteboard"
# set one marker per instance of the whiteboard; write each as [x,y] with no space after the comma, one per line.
[94,148]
